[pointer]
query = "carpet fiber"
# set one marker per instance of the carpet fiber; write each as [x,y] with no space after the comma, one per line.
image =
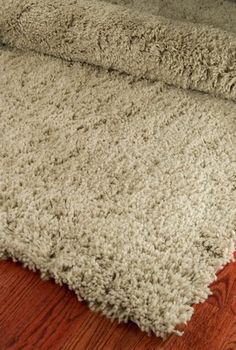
[117,150]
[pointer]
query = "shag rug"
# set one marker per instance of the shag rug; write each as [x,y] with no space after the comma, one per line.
[118,149]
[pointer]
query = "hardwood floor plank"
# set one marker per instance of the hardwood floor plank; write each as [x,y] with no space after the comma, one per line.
[224,287]
[35,312]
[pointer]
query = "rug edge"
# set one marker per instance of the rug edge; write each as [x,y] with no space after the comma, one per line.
[27,262]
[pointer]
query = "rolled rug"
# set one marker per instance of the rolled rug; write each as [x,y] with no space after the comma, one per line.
[197,57]
[122,188]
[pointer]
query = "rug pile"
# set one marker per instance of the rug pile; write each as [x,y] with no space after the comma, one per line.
[118,150]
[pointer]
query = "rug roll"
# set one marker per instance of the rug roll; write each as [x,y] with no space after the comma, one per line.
[121,188]
[189,56]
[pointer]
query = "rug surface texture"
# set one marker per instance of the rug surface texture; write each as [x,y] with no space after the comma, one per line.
[118,149]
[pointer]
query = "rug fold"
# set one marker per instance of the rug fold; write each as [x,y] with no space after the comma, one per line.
[186,55]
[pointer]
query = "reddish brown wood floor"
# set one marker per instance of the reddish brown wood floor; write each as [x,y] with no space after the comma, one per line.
[36,314]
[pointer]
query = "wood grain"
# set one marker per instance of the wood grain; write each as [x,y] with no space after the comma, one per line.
[37,314]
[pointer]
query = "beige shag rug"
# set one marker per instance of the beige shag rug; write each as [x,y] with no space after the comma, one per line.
[118,149]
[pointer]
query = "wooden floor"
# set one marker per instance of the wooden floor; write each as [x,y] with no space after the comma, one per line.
[36,314]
